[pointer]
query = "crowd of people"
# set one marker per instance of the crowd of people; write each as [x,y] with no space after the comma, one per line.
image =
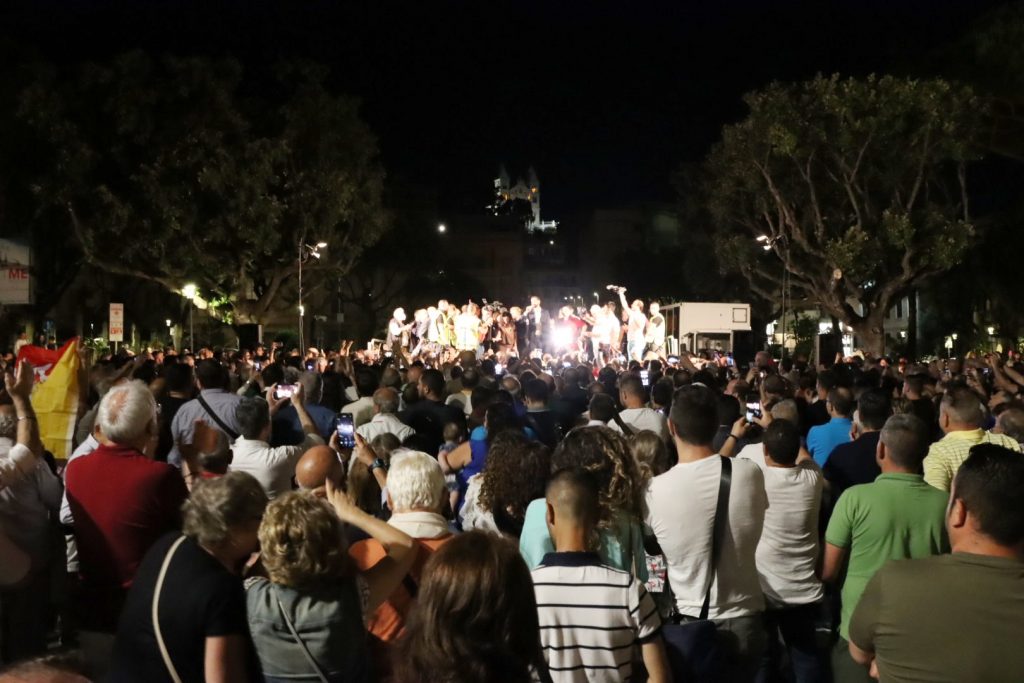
[498,514]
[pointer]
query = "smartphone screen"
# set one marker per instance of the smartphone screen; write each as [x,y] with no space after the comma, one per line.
[753,407]
[310,365]
[645,378]
[284,391]
[346,427]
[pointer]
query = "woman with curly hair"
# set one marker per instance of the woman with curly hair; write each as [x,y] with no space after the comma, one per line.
[306,617]
[605,454]
[475,618]
[516,472]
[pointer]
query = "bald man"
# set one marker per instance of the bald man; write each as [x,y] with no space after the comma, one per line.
[315,467]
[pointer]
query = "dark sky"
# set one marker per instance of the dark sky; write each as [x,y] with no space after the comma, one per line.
[604,98]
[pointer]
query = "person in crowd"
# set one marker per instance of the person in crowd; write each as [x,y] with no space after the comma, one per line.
[213,452]
[462,399]
[539,417]
[316,466]
[515,474]
[635,413]
[475,618]
[898,516]
[179,389]
[823,439]
[305,617]
[655,333]
[361,407]
[469,458]
[1011,423]
[961,415]
[606,455]
[855,463]
[385,419]
[185,616]
[368,471]
[955,617]
[651,454]
[416,495]
[252,452]
[429,415]
[603,413]
[591,614]
[680,512]
[538,328]
[214,405]
[122,502]
[817,409]
[787,554]
[30,497]
[287,428]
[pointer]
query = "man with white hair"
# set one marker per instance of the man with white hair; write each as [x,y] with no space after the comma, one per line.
[416,496]
[385,419]
[122,501]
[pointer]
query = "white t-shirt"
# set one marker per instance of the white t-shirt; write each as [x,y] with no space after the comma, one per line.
[680,511]
[643,418]
[788,551]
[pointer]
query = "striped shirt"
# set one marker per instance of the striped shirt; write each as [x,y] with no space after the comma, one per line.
[947,454]
[591,616]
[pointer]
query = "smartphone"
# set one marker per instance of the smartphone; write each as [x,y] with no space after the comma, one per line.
[753,408]
[566,364]
[258,364]
[346,426]
[730,361]
[310,365]
[498,368]
[673,359]
[284,391]
[645,378]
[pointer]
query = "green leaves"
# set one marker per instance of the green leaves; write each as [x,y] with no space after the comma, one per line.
[190,169]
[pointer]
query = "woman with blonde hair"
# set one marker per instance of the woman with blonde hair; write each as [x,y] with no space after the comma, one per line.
[306,616]
[651,454]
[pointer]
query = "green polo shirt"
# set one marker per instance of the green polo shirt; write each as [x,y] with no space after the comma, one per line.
[896,517]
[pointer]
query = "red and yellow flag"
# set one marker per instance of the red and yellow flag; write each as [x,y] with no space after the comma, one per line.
[55,394]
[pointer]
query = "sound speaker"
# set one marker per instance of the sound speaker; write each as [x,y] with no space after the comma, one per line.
[825,349]
[249,336]
[743,347]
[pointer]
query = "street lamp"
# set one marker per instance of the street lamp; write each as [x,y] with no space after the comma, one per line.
[190,292]
[769,243]
[442,228]
[305,251]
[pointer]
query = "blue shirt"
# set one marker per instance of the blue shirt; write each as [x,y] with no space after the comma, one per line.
[821,440]
[286,429]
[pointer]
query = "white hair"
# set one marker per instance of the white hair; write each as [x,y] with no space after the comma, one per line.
[415,480]
[126,411]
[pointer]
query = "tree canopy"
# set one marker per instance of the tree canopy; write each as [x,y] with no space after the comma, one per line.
[858,186]
[183,170]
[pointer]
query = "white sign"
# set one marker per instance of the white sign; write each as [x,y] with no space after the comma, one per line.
[116,322]
[15,277]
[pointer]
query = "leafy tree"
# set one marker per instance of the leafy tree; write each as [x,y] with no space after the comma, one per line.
[859,187]
[182,170]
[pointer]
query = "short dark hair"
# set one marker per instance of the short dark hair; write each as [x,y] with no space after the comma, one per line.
[470,378]
[632,386]
[573,492]
[211,374]
[433,380]
[989,484]
[366,382]
[728,410]
[252,415]
[661,392]
[782,442]
[602,407]
[695,414]
[906,438]
[536,390]
[873,409]
[178,377]
[828,380]
[963,406]
[841,400]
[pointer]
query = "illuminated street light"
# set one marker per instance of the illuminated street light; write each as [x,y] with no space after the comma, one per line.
[305,251]
[190,292]
[442,228]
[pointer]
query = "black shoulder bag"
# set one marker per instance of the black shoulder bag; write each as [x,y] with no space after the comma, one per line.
[216,418]
[692,646]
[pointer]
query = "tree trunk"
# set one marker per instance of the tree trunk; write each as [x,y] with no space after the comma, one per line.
[870,333]
[911,349]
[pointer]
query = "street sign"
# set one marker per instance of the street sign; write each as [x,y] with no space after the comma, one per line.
[116,322]
[15,273]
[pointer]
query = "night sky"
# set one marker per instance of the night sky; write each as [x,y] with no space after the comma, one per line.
[604,99]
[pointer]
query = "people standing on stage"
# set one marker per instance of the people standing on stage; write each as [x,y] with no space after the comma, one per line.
[655,335]
[636,325]
[538,323]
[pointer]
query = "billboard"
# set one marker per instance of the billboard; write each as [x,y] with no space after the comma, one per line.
[15,273]
[116,325]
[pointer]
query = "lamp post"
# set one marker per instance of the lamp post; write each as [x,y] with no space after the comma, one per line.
[305,251]
[190,292]
[769,244]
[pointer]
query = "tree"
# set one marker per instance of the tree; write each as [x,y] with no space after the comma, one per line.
[182,170]
[858,186]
